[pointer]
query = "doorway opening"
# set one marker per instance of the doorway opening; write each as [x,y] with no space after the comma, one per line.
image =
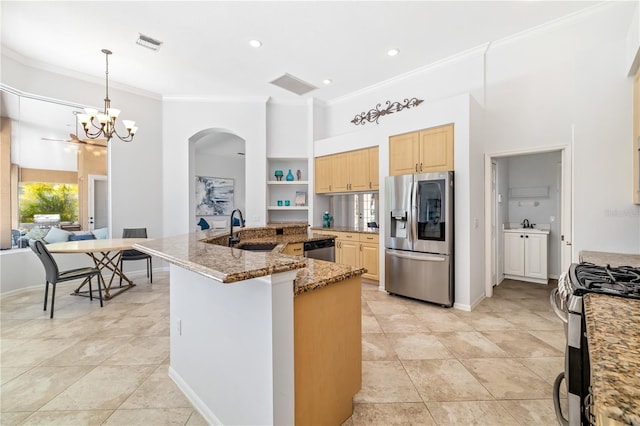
[535,185]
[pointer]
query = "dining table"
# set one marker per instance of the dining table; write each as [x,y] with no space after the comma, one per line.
[106,254]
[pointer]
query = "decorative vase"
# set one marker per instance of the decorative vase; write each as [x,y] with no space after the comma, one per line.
[299,174]
[278,174]
[289,176]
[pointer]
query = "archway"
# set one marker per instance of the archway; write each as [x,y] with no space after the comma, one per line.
[216,157]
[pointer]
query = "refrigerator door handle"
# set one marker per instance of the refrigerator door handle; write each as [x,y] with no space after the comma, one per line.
[414,212]
[422,257]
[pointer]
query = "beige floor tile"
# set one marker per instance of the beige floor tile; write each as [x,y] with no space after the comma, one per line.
[105,387]
[158,391]
[401,323]
[153,416]
[162,327]
[11,419]
[66,418]
[32,352]
[521,344]
[388,307]
[376,347]
[140,350]
[526,320]
[9,373]
[470,344]
[506,378]
[418,346]
[391,414]
[443,320]
[128,326]
[90,351]
[493,304]
[21,329]
[370,324]
[557,338]
[547,367]
[532,412]
[485,321]
[480,413]
[386,381]
[444,380]
[33,389]
[196,420]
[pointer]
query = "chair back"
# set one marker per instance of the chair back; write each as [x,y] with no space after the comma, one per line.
[49,263]
[134,233]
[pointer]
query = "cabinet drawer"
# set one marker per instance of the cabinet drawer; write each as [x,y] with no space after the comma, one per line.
[349,236]
[369,238]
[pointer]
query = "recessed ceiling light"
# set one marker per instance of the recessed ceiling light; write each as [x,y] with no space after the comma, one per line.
[327,81]
[255,43]
[148,42]
[393,52]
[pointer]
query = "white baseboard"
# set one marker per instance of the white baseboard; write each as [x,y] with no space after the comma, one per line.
[467,307]
[204,411]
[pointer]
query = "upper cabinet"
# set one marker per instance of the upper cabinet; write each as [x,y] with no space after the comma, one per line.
[353,171]
[424,151]
[636,138]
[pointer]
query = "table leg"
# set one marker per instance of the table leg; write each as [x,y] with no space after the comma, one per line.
[110,262]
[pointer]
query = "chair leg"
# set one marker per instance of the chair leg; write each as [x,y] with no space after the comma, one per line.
[53,298]
[150,271]
[100,289]
[90,290]
[121,272]
[46,293]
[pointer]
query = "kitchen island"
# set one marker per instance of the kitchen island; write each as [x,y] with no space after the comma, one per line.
[261,337]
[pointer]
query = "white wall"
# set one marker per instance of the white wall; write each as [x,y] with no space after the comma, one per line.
[287,130]
[183,119]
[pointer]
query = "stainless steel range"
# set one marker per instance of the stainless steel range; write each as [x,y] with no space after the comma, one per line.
[567,302]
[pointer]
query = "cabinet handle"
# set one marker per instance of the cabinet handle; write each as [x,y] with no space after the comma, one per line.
[416,167]
[360,247]
[369,185]
[329,187]
[420,166]
[526,236]
[521,236]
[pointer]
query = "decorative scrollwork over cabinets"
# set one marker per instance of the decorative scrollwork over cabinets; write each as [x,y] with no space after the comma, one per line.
[374,114]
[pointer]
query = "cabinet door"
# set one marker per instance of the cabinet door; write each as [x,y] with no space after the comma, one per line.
[323,174]
[296,249]
[436,149]
[369,260]
[349,253]
[358,169]
[373,168]
[403,154]
[535,256]
[513,253]
[339,172]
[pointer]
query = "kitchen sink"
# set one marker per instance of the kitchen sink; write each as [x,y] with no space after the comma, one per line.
[266,247]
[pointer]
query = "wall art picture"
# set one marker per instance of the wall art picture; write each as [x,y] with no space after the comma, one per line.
[214,196]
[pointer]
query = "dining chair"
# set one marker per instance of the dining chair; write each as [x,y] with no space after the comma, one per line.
[54,276]
[132,254]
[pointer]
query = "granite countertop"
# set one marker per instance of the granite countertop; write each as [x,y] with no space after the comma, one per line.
[614,344]
[362,230]
[613,259]
[197,252]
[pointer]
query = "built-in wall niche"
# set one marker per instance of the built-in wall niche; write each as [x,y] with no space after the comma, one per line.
[288,196]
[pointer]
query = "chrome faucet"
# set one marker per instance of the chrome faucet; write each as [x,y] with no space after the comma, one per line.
[525,224]
[231,239]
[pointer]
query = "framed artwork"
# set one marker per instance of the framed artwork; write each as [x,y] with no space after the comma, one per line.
[214,196]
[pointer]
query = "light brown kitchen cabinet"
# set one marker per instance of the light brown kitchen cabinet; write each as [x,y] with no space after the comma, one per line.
[636,138]
[359,250]
[323,174]
[295,249]
[424,151]
[352,171]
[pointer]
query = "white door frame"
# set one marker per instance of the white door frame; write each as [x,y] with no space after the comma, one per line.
[566,203]
[91,199]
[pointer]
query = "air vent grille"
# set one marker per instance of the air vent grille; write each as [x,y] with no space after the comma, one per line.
[293,84]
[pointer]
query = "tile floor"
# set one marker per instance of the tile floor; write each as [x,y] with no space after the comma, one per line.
[422,364]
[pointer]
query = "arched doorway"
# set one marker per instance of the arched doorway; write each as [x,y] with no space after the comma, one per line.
[216,157]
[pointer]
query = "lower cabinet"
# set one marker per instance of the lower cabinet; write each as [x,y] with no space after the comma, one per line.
[361,250]
[525,255]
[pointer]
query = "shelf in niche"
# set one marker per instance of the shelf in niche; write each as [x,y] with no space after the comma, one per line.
[288,182]
[288,208]
[530,192]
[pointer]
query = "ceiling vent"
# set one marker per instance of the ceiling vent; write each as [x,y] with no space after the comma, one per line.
[293,84]
[148,42]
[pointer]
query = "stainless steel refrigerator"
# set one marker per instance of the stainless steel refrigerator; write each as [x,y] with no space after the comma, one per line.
[419,236]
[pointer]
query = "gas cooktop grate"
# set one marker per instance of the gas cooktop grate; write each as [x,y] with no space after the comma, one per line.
[619,281]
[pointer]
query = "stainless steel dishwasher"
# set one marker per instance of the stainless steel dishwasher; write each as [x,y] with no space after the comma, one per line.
[321,249]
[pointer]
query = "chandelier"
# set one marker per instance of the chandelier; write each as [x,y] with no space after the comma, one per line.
[103,125]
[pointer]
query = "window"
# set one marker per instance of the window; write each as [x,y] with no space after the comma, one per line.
[42,198]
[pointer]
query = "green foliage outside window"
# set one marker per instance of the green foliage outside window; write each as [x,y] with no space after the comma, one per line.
[48,198]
